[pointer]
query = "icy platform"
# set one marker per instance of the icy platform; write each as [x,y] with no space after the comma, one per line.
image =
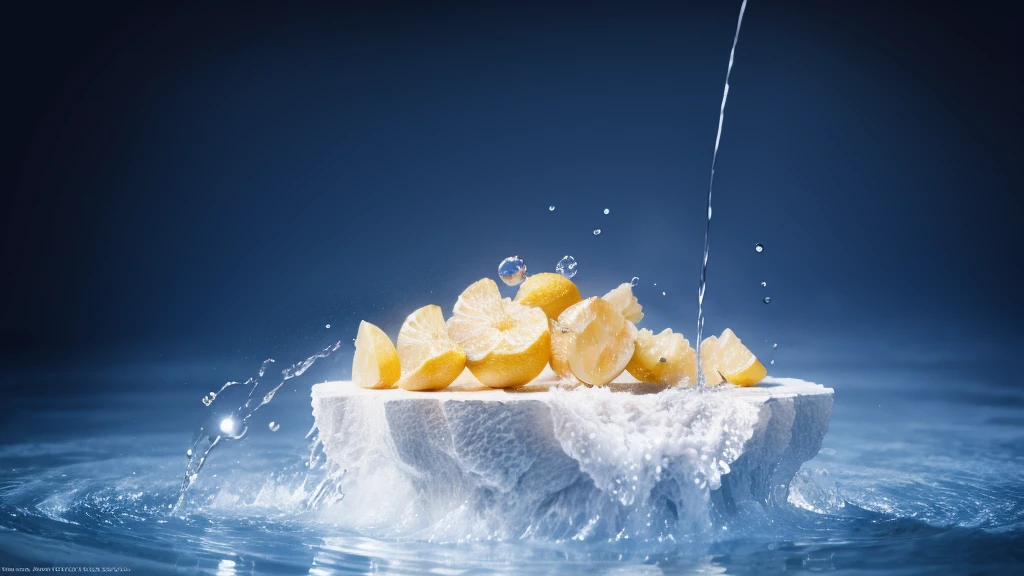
[553,462]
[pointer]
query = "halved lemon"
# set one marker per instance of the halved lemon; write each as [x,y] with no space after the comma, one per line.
[550,292]
[430,360]
[664,358]
[507,344]
[375,363]
[625,302]
[736,364]
[599,340]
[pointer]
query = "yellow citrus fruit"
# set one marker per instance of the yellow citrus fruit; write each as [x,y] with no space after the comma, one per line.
[550,292]
[507,344]
[665,358]
[708,351]
[430,360]
[599,340]
[733,361]
[560,338]
[375,364]
[622,298]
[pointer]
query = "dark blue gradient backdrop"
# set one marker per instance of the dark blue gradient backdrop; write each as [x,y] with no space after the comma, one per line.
[209,184]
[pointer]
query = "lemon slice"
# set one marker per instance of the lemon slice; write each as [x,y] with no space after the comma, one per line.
[622,298]
[560,338]
[375,363]
[665,358]
[708,363]
[600,340]
[552,293]
[507,344]
[726,359]
[430,360]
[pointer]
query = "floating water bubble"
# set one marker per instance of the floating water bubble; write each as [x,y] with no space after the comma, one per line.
[634,281]
[274,426]
[328,326]
[605,210]
[662,293]
[759,247]
[764,284]
[597,232]
[776,345]
[512,270]
[566,266]
[188,453]
[551,208]
[772,362]
[767,299]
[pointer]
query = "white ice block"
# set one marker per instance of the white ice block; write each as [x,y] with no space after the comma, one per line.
[553,462]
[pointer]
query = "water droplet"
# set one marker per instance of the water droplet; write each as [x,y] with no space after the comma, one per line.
[328,326]
[662,293]
[274,426]
[759,247]
[512,270]
[709,212]
[764,284]
[209,398]
[597,232]
[772,362]
[551,208]
[605,210]
[767,299]
[662,359]
[634,281]
[776,345]
[188,453]
[566,266]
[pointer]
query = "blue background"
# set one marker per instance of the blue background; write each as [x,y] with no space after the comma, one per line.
[194,187]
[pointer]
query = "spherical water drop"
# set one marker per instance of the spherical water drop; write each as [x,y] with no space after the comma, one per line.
[551,208]
[772,362]
[188,453]
[328,326]
[605,210]
[634,281]
[759,247]
[566,266]
[597,232]
[512,270]
[764,284]
[274,426]
[662,293]
[776,345]
[767,299]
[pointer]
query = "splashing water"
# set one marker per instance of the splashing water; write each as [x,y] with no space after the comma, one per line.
[512,270]
[234,425]
[711,183]
[566,266]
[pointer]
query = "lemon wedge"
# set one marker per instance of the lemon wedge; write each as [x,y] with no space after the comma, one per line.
[375,363]
[430,360]
[560,338]
[664,358]
[550,292]
[599,340]
[507,344]
[625,302]
[728,359]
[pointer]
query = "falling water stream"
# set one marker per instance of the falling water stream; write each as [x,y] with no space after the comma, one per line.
[711,184]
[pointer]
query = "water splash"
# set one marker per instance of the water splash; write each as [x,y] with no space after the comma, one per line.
[707,223]
[234,425]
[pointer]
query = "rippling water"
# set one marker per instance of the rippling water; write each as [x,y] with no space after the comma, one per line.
[919,473]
